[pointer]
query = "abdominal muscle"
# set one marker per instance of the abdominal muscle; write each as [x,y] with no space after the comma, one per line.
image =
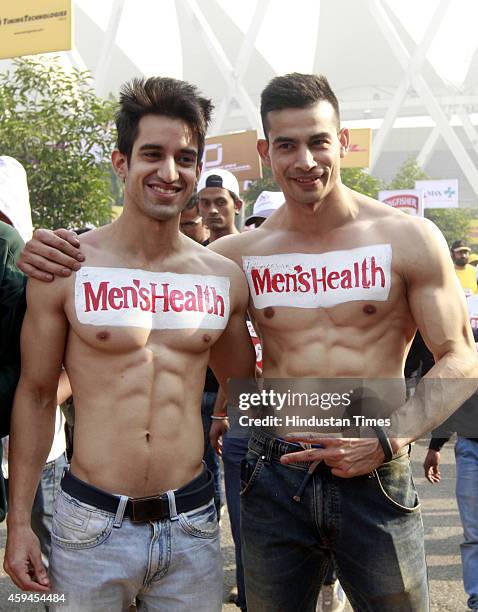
[138,428]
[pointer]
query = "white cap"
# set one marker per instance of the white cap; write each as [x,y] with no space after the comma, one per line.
[267,203]
[219,178]
[14,198]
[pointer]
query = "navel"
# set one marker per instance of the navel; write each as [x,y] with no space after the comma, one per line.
[269,312]
[104,335]
[148,435]
[369,309]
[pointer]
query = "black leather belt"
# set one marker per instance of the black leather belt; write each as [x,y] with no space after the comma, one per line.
[196,493]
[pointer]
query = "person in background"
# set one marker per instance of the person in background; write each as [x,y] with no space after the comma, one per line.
[17,228]
[267,202]
[191,223]
[460,254]
[219,202]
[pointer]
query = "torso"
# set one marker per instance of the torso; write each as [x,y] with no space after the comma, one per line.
[137,390]
[346,330]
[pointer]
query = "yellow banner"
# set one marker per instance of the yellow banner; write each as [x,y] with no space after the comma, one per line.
[360,149]
[34,26]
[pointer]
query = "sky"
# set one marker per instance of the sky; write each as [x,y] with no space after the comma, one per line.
[148,25]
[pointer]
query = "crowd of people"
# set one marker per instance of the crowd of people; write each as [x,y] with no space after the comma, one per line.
[152,322]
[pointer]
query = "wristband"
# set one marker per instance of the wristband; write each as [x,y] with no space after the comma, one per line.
[384,442]
[219,417]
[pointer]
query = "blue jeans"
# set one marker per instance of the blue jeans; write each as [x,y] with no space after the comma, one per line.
[370,526]
[42,510]
[102,566]
[233,452]
[210,457]
[466,453]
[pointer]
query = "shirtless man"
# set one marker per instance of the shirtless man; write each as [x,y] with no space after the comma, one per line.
[135,329]
[358,509]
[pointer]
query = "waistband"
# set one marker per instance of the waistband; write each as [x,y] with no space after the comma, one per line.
[198,492]
[273,448]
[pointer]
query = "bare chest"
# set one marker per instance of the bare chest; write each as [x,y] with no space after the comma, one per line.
[122,308]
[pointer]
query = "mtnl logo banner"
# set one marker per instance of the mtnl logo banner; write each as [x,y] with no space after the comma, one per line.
[122,297]
[300,280]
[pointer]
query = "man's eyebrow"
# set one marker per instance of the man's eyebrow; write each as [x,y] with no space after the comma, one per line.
[321,135]
[151,146]
[280,139]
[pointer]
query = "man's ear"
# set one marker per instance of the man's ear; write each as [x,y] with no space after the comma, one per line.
[344,138]
[238,205]
[263,150]
[120,164]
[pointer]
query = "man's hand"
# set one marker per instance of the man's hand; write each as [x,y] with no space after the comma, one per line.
[431,466]
[50,254]
[347,457]
[218,429]
[23,561]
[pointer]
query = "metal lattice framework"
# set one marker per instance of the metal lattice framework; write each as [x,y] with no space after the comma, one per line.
[376,68]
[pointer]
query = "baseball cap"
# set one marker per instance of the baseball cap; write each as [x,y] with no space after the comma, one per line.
[267,203]
[460,245]
[219,178]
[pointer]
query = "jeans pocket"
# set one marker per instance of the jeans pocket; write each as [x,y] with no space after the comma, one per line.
[78,525]
[251,467]
[201,522]
[395,483]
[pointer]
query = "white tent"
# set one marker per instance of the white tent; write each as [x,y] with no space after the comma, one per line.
[406,68]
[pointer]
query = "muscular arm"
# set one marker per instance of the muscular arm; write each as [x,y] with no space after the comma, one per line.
[439,309]
[33,420]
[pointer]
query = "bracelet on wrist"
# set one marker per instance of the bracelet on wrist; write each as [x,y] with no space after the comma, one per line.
[219,417]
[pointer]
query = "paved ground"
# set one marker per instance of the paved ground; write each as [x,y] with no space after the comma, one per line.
[442,532]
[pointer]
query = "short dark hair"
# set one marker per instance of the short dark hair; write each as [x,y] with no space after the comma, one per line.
[296,90]
[160,96]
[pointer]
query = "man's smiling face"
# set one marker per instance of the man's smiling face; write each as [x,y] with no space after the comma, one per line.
[162,171]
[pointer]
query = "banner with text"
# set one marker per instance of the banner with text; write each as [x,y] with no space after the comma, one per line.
[234,152]
[439,194]
[360,149]
[28,27]
[409,201]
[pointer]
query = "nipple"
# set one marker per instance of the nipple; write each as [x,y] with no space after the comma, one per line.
[206,338]
[369,309]
[269,312]
[104,335]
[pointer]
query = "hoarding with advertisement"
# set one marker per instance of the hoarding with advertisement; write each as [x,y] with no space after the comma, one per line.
[439,194]
[28,27]
[360,149]
[409,201]
[234,152]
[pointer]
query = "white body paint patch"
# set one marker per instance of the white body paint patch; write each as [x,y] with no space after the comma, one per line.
[121,297]
[301,280]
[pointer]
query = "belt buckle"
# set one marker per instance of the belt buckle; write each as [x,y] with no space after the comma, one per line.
[144,509]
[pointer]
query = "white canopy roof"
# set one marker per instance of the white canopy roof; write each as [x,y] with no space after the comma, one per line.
[406,68]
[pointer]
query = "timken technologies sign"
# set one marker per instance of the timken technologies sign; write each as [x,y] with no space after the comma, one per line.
[28,27]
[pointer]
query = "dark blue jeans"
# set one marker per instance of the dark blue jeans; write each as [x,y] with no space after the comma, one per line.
[233,452]
[370,526]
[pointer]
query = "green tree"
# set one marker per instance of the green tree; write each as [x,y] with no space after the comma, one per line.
[454,223]
[54,124]
[407,174]
[361,181]
[266,183]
